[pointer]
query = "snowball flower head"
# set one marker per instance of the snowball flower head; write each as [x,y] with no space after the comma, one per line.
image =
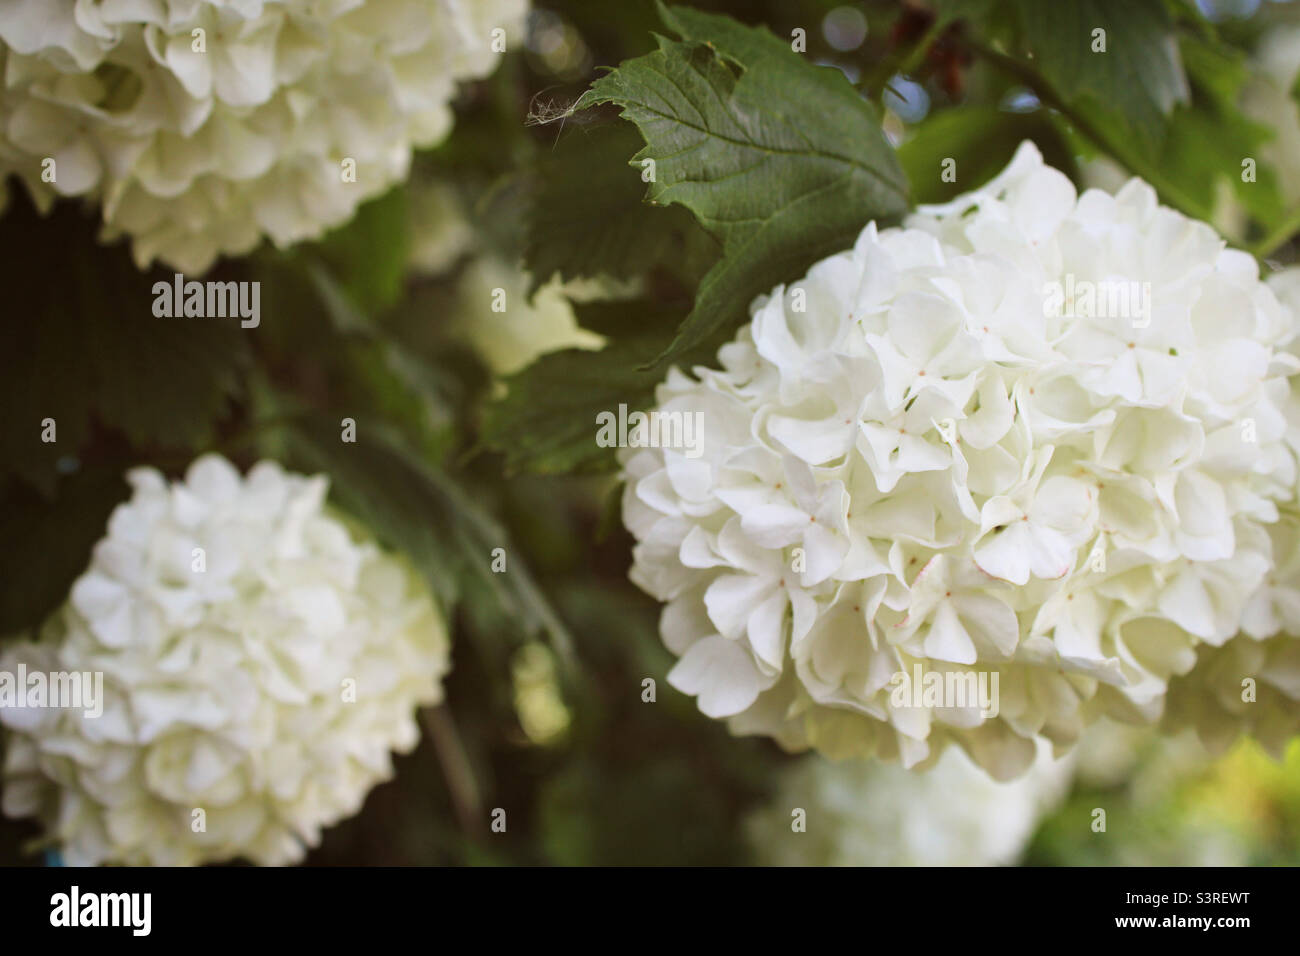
[202,125]
[259,661]
[1032,442]
[869,814]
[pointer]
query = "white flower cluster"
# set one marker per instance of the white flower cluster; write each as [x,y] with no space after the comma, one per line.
[259,664]
[202,125]
[1032,436]
[860,813]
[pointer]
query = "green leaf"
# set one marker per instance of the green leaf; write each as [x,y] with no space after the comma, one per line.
[981,140]
[1209,139]
[1135,84]
[781,160]
[590,218]
[403,387]
[86,347]
[1205,149]
[618,318]
[48,543]
[424,513]
[1216,71]
[546,423]
[369,253]
[398,368]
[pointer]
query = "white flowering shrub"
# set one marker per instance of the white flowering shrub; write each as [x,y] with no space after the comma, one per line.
[928,455]
[934,453]
[260,662]
[200,126]
[861,813]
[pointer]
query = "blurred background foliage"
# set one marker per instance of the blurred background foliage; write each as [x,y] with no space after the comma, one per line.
[465,444]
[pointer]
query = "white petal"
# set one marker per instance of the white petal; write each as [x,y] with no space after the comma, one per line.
[720,674]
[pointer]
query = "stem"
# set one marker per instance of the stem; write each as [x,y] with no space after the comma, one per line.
[456,768]
[890,65]
[917,53]
[1278,236]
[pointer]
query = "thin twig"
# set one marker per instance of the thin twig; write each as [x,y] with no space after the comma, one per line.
[1278,236]
[463,786]
[892,64]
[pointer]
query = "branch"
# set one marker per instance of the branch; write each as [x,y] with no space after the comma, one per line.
[1278,236]
[456,768]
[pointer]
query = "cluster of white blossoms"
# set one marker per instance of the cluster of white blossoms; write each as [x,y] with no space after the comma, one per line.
[1032,437]
[202,125]
[861,813]
[259,664]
